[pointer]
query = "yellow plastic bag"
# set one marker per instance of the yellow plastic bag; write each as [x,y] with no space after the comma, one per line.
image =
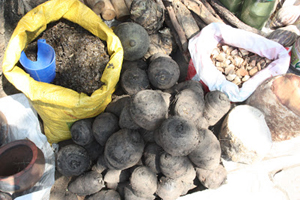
[59,107]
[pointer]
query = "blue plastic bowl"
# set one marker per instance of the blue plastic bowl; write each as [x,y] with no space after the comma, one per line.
[44,68]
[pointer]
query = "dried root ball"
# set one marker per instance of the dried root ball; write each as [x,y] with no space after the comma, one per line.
[87,184]
[117,104]
[174,166]
[148,14]
[161,42]
[148,136]
[129,194]
[188,179]
[148,109]
[169,189]
[178,136]
[125,119]
[207,154]
[81,132]
[201,123]
[123,149]
[139,63]
[245,139]
[104,125]
[134,38]
[151,156]
[100,165]
[116,176]
[143,181]
[163,72]
[217,104]
[212,179]
[188,104]
[166,96]
[94,150]
[105,195]
[72,160]
[196,86]
[134,80]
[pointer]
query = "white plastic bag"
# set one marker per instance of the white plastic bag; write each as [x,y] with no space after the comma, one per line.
[24,124]
[202,44]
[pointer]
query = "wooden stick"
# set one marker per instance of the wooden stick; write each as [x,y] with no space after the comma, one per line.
[185,53]
[199,8]
[181,42]
[177,27]
[122,12]
[105,8]
[231,18]
[199,21]
[185,19]
[209,8]
[90,3]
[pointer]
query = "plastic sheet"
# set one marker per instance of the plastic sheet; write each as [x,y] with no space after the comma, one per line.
[24,124]
[202,44]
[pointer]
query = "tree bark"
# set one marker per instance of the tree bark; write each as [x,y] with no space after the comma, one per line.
[200,9]
[231,18]
[185,19]
[177,27]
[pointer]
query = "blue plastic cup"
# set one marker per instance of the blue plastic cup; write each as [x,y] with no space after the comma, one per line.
[43,69]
